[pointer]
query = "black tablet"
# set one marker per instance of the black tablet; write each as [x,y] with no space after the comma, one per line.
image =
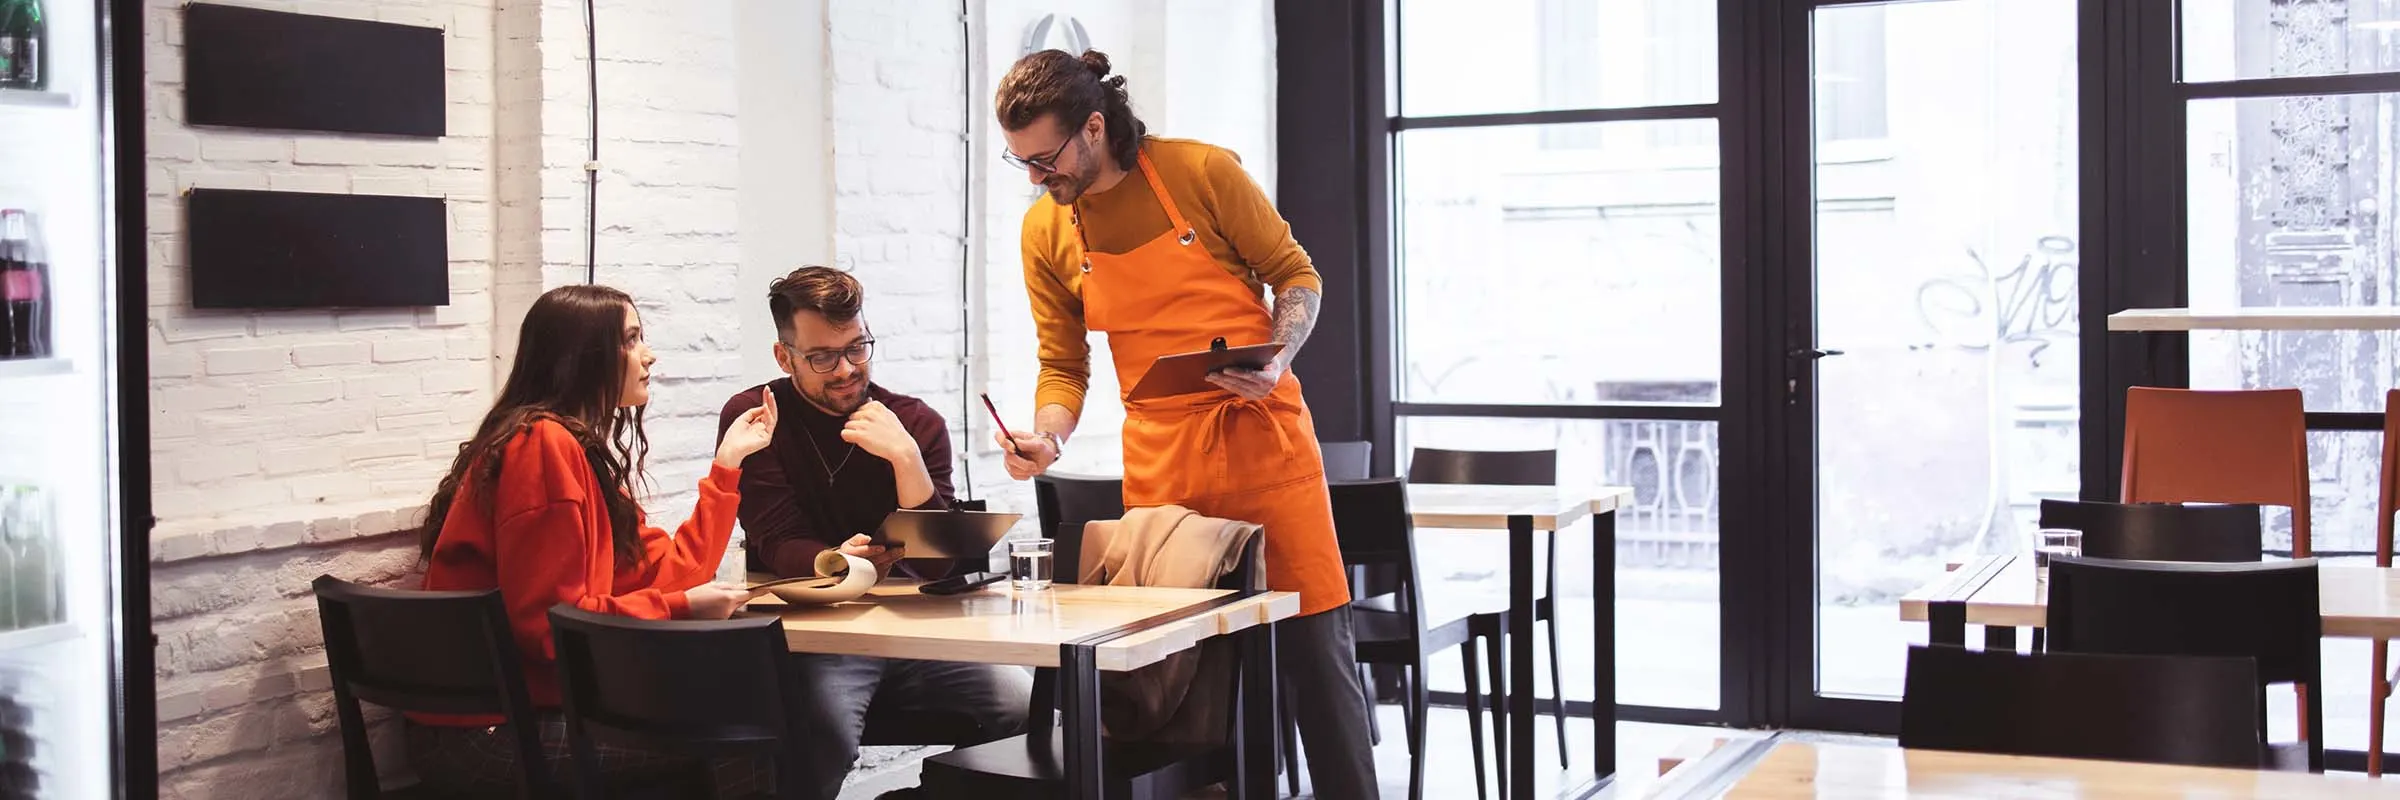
[1187,373]
[945,534]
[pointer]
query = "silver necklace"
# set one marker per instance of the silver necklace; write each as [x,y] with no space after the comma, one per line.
[831,470]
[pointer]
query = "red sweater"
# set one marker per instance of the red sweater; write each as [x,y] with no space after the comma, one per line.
[543,539]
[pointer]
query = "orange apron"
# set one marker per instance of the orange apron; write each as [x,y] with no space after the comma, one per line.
[1214,453]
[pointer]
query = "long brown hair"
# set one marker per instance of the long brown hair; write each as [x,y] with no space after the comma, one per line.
[570,369]
[1052,82]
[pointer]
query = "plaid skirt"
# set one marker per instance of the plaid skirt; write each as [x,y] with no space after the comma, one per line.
[466,760]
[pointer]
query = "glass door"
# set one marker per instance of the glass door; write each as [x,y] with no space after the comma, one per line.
[60,500]
[1557,177]
[1933,396]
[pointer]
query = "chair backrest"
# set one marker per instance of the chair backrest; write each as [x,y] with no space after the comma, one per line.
[2265,612]
[428,652]
[2156,709]
[2387,493]
[2249,446]
[1062,499]
[1490,467]
[2161,531]
[698,687]
[1372,527]
[1348,461]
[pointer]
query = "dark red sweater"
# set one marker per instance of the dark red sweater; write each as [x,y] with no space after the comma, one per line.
[800,497]
[543,539]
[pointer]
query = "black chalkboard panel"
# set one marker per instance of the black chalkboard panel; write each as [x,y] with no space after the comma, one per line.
[250,68]
[297,250]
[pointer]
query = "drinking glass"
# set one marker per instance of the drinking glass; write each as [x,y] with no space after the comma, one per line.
[1029,564]
[2051,543]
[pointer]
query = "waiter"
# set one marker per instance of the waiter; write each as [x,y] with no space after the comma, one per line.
[1167,245]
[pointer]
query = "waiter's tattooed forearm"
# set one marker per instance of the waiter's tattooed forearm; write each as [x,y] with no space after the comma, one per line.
[1295,316]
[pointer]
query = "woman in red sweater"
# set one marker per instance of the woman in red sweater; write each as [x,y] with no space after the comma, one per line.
[541,504]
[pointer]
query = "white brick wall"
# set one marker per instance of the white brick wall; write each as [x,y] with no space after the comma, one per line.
[290,444]
[670,162]
[232,385]
[900,124]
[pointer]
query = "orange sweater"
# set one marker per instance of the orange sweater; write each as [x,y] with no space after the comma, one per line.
[1231,214]
[543,539]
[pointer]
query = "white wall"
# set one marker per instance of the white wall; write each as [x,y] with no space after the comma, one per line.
[787,172]
[293,444]
[288,444]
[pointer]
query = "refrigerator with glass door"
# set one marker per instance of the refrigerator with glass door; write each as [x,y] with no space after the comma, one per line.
[76,683]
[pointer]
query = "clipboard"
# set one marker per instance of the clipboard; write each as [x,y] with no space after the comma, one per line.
[1187,373]
[949,534]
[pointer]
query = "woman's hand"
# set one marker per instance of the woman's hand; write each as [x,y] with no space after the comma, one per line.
[749,433]
[715,600]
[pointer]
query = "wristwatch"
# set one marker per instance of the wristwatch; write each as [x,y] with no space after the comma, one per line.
[1058,446]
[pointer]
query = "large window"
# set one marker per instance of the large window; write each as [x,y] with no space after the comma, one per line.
[1558,238]
[2286,188]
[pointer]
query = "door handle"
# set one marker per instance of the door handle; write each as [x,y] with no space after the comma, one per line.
[1791,383]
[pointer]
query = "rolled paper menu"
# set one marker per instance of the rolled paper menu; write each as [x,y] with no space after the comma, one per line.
[839,578]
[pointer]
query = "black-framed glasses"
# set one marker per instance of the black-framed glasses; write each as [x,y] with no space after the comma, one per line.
[824,360]
[1048,163]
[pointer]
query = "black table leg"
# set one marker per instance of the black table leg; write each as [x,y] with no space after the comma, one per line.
[1604,647]
[1254,723]
[2000,638]
[1946,623]
[1079,705]
[1520,653]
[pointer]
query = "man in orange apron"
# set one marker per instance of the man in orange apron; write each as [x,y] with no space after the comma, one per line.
[1167,245]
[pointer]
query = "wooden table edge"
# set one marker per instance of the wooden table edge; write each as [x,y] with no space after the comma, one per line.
[1149,646]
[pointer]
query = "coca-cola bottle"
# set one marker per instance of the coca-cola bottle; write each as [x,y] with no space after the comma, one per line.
[24,291]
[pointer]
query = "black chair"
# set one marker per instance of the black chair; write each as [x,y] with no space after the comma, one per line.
[700,688]
[1061,500]
[426,652]
[1371,522]
[1508,468]
[2265,612]
[1033,764]
[2161,531]
[1348,461]
[2155,709]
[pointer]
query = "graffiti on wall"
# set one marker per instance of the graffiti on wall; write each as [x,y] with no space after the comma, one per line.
[2032,305]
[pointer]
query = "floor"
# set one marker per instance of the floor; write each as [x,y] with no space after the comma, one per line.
[1639,747]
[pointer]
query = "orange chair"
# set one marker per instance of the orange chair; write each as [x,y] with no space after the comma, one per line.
[2186,446]
[2245,446]
[2387,501]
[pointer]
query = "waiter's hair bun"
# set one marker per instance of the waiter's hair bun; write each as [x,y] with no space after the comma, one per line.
[1072,88]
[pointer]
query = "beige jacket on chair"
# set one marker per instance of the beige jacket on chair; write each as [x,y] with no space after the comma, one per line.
[1186,698]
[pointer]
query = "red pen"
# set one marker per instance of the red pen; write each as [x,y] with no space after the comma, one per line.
[1012,438]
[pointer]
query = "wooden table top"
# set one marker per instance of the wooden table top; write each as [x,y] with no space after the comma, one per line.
[1812,770]
[1475,506]
[2358,602]
[996,626]
[2316,318]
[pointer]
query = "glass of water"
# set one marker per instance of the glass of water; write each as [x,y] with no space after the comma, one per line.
[1029,564]
[2051,543]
